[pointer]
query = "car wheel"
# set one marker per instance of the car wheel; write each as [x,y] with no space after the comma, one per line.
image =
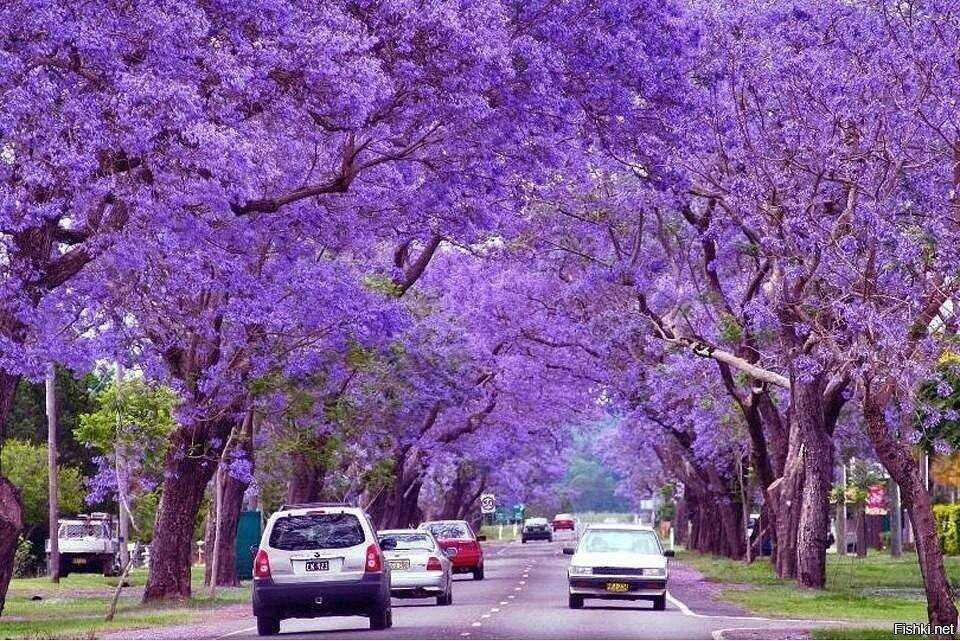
[381,619]
[576,601]
[660,602]
[446,598]
[268,626]
[523,540]
[478,574]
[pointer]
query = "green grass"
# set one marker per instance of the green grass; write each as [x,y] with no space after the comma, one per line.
[860,633]
[876,588]
[492,532]
[76,607]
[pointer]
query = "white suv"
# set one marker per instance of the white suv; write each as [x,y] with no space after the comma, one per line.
[320,559]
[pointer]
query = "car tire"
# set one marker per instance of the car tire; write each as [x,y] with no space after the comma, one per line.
[523,540]
[660,603]
[576,602]
[446,598]
[268,626]
[478,574]
[381,619]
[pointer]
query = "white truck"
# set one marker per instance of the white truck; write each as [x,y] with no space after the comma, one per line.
[88,543]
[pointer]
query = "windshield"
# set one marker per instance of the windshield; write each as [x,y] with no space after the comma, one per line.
[410,541]
[536,521]
[449,530]
[316,532]
[82,530]
[627,541]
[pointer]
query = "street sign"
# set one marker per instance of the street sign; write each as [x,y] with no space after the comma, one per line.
[518,511]
[488,503]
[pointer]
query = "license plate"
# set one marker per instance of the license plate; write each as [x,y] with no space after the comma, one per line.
[399,564]
[317,566]
[618,587]
[80,561]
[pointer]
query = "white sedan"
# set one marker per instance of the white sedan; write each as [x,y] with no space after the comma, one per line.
[618,562]
[418,567]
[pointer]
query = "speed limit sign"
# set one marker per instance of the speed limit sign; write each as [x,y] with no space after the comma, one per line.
[488,503]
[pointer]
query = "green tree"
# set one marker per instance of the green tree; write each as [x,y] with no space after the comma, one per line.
[131,427]
[26,465]
[75,396]
[132,417]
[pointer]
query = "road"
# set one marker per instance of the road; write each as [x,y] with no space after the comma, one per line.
[524,596]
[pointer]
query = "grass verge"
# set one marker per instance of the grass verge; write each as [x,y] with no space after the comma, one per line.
[875,588]
[75,608]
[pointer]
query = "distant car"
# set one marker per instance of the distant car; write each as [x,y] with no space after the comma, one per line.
[618,562]
[418,566]
[460,544]
[87,543]
[320,559]
[536,529]
[564,522]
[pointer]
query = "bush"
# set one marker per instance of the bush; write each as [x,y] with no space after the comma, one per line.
[948,527]
[25,562]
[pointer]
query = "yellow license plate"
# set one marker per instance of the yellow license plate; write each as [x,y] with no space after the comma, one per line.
[618,587]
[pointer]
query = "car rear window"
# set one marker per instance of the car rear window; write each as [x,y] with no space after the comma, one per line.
[449,530]
[410,541]
[316,532]
[629,541]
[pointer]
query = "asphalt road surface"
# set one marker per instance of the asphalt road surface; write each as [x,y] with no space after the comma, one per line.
[524,596]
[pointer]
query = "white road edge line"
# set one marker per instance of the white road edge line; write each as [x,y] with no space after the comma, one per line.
[236,632]
[690,613]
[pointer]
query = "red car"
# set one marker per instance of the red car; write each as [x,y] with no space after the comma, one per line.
[563,522]
[460,544]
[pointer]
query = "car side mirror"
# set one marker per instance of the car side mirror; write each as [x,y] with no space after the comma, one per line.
[670,553]
[482,537]
[568,551]
[388,544]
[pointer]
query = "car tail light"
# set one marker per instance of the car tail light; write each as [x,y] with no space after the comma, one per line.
[261,565]
[374,561]
[433,564]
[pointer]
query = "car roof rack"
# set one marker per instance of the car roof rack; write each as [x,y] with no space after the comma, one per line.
[303,506]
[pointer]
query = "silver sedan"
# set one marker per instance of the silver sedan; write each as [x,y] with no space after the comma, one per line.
[418,567]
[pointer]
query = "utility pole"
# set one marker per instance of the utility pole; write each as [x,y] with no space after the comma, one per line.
[122,496]
[896,528]
[841,542]
[54,481]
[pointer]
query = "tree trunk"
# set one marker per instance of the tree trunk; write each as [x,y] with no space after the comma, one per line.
[861,531]
[732,539]
[841,527]
[693,515]
[231,506]
[904,470]
[187,471]
[306,479]
[680,521]
[786,499]
[398,506]
[11,504]
[11,524]
[808,411]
